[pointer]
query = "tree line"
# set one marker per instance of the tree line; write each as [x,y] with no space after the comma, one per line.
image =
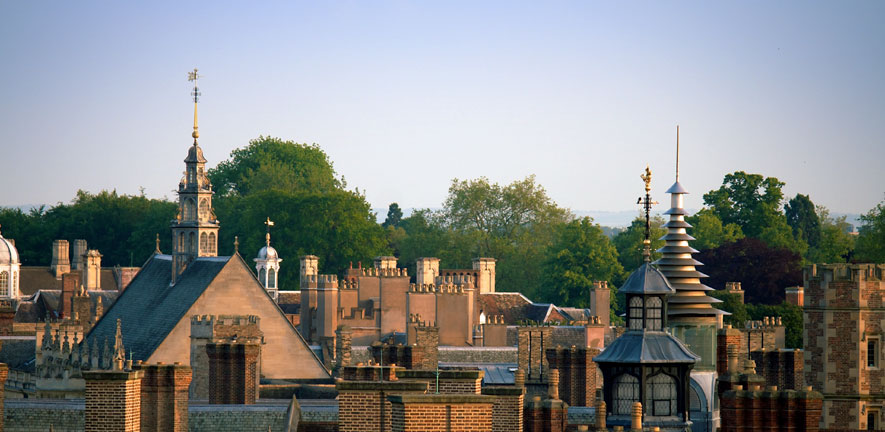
[746,232]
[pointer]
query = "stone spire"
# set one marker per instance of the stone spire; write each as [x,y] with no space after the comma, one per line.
[676,262]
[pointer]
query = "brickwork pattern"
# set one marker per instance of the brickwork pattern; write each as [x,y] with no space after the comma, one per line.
[363,406]
[507,410]
[545,416]
[164,397]
[726,337]
[782,368]
[233,373]
[29,415]
[752,411]
[432,417]
[532,341]
[4,374]
[113,401]
[577,374]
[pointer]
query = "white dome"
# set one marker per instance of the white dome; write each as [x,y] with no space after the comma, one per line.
[268,253]
[8,252]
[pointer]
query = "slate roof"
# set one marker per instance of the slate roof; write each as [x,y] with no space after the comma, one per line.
[18,353]
[34,279]
[647,280]
[646,347]
[35,308]
[150,307]
[290,302]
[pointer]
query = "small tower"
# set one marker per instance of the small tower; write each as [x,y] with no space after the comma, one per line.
[267,265]
[195,229]
[646,364]
[10,266]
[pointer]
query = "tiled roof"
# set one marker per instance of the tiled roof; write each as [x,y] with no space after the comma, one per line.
[516,308]
[646,347]
[34,279]
[35,308]
[150,307]
[18,353]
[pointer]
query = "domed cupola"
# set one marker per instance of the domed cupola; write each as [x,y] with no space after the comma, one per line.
[267,265]
[10,269]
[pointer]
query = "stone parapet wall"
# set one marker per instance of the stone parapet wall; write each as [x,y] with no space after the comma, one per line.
[28,415]
[238,418]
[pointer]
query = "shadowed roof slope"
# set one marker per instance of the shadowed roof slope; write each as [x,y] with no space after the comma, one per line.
[150,308]
[646,280]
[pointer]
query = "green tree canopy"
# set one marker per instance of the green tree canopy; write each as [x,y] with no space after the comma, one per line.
[709,232]
[338,227]
[629,243]
[579,255]
[803,219]
[870,245]
[753,202]
[732,303]
[394,216]
[791,315]
[271,163]
[122,227]
[836,245]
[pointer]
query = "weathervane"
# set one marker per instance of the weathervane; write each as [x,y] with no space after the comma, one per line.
[269,224]
[646,205]
[677,153]
[194,76]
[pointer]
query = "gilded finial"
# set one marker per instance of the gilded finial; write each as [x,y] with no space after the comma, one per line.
[269,224]
[646,204]
[157,250]
[236,244]
[194,76]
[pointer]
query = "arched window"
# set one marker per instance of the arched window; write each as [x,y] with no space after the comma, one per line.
[192,243]
[262,277]
[660,399]
[181,242]
[635,313]
[190,209]
[271,278]
[204,209]
[204,243]
[626,391]
[653,307]
[213,243]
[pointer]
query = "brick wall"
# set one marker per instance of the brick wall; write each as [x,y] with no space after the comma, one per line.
[451,381]
[577,374]
[532,341]
[750,411]
[782,368]
[507,411]
[164,397]
[441,413]
[363,406]
[4,373]
[113,401]
[233,373]
[726,337]
[545,415]
[28,415]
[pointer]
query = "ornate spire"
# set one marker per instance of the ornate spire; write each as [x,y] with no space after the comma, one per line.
[193,76]
[269,224]
[677,263]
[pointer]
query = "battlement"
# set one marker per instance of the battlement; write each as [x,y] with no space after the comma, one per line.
[457,279]
[346,284]
[845,272]
[766,322]
[223,326]
[495,320]
[733,286]
[384,272]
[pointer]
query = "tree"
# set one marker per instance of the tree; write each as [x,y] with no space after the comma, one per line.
[338,227]
[790,314]
[753,202]
[394,216]
[836,245]
[709,232]
[271,163]
[732,303]
[629,243]
[870,245]
[122,227]
[763,271]
[579,255]
[802,217]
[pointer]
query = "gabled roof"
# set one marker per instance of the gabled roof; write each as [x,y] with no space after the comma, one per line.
[47,302]
[646,347]
[150,307]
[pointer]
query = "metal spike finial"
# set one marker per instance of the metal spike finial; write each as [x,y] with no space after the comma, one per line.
[677,153]
[194,76]
[157,250]
[236,244]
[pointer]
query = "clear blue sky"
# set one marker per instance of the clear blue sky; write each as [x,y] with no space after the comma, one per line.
[405,96]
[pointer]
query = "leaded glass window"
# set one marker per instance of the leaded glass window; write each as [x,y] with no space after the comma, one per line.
[4,283]
[653,308]
[271,278]
[626,392]
[660,399]
[262,276]
[635,313]
[212,243]
[204,243]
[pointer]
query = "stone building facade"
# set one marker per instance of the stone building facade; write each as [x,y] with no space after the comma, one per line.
[844,332]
